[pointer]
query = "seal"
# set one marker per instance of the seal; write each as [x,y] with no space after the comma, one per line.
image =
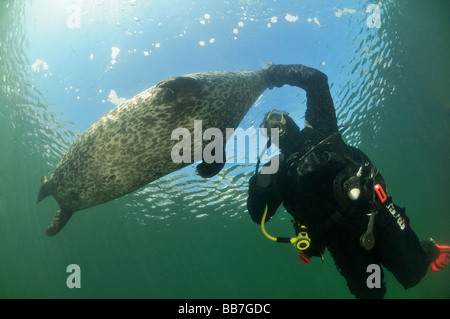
[131,145]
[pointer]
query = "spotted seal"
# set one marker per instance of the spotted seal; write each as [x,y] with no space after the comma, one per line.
[131,145]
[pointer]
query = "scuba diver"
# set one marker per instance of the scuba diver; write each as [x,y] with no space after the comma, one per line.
[336,195]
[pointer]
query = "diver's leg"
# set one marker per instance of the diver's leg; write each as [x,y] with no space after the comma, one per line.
[399,248]
[352,261]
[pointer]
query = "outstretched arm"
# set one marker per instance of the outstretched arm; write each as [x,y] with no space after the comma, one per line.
[320,112]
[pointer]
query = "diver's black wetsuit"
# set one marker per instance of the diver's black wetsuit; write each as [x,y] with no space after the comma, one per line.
[310,189]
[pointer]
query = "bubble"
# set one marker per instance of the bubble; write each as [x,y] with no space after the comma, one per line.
[291,18]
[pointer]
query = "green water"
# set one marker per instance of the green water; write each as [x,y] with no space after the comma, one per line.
[184,237]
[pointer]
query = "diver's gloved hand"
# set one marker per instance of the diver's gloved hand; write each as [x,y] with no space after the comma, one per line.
[295,75]
[442,260]
[263,183]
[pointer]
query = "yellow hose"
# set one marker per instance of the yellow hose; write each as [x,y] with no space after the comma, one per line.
[302,241]
[263,228]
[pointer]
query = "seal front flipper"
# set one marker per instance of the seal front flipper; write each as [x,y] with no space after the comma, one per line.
[207,170]
[61,219]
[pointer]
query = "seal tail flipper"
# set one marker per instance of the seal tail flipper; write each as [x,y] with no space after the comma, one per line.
[45,190]
[60,220]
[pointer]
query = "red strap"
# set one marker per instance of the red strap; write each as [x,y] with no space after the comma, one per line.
[380,192]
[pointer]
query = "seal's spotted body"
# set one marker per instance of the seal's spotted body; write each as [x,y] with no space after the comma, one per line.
[131,145]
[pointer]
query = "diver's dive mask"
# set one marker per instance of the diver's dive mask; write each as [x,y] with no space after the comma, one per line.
[275,119]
